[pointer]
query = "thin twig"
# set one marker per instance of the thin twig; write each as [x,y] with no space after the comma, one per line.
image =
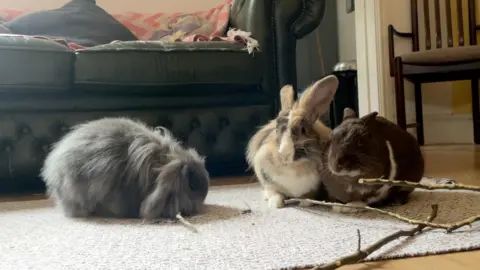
[360,255]
[186,223]
[377,210]
[449,227]
[462,223]
[246,211]
[452,186]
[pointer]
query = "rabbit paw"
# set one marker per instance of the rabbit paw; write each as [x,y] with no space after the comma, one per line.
[276,201]
[344,209]
[267,194]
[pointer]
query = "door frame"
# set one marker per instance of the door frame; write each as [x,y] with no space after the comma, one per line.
[371,64]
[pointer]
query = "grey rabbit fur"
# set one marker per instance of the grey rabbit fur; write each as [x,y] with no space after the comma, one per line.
[121,168]
[372,147]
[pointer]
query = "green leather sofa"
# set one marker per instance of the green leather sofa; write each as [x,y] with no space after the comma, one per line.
[211,95]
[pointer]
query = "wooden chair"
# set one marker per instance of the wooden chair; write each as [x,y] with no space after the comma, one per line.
[436,62]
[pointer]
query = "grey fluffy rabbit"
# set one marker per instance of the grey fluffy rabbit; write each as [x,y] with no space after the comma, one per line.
[121,168]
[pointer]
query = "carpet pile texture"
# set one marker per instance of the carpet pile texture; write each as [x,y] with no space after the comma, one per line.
[35,235]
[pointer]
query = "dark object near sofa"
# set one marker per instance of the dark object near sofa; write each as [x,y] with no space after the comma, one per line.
[211,95]
[436,62]
[78,21]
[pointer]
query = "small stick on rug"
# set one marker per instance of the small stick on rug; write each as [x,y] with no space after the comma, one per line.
[179,218]
[186,223]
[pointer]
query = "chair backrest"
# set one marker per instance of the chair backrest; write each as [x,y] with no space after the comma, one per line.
[446,23]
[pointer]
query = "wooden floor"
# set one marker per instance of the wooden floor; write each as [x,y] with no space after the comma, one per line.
[461,163]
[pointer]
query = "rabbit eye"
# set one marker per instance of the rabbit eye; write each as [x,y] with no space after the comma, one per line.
[294,132]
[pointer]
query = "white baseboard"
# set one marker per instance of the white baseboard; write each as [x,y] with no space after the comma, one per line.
[448,129]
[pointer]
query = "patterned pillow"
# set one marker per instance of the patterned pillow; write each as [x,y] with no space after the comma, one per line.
[7,14]
[162,26]
[78,21]
[177,26]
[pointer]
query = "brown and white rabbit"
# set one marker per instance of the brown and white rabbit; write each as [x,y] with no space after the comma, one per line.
[371,147]
[285,153]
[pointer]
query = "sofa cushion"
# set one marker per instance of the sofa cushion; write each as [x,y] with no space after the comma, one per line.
[79,21]
[152,64]
[34,64]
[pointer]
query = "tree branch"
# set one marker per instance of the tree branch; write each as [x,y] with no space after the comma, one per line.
[360,255]
[444,226]
[453,186]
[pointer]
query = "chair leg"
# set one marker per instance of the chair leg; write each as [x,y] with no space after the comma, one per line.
[400,94]
[419,113]
[475,111]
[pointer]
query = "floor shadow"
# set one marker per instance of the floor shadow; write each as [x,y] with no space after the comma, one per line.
[209,213]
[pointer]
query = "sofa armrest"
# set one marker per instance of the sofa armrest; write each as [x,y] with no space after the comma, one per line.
[277,24]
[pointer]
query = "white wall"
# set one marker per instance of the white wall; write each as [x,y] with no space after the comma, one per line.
[146,6]
[346,32]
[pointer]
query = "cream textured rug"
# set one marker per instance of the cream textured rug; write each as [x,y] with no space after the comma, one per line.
[34,235]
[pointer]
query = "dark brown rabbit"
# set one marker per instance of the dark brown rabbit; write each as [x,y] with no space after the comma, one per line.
[371,147]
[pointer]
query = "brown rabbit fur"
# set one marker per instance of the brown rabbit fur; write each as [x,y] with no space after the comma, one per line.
[286,152]
[372,147]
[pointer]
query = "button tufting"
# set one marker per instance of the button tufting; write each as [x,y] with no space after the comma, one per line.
[63,128]
[195,123]
[6,145]
[23,130]
[42,145]
[224,122]
[210,139]
[45,148]
[58,128]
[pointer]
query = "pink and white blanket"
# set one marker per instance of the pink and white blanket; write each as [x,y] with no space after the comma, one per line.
[202,26]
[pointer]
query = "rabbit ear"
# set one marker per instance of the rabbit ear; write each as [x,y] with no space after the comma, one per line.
[287,96]
[349,113]
[370,117]
[315,101]
[155,204]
